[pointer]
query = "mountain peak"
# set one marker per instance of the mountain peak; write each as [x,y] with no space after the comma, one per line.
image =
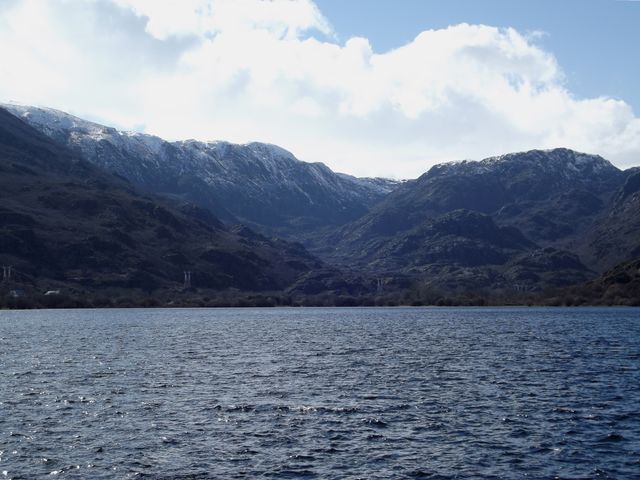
[562,158]
[560,162]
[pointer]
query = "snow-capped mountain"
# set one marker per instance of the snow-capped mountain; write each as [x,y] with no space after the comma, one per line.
[561,163]
[521,222]
[513,218]
[256,183]
[66,222]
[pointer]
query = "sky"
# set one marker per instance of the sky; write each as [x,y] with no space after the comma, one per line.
[368,87]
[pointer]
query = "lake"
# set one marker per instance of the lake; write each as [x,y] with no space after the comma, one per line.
[366,393]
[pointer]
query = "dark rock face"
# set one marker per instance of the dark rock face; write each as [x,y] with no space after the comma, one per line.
[617,286]
[615,236]
[460,237]
[257,184]
[66,222]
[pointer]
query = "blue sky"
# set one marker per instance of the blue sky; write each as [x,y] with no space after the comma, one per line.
[597,42]
[368,87]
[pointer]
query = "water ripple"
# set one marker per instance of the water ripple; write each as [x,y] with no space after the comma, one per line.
[320,393]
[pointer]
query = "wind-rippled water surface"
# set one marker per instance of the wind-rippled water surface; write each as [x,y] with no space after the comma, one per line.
[320,393]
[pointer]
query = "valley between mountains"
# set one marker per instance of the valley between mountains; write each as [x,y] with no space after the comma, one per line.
[111,218]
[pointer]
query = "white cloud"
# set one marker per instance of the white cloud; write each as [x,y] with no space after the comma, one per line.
[284,18]
[270,70]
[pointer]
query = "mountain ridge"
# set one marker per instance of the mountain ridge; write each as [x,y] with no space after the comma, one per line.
[262,185]
[519,222]
[552,199]
[66,224]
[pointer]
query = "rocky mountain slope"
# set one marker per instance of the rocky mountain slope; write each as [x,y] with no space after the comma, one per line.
[614,236]
[617,286]
[66,223]
[257,184]
[526,220]
[545,193]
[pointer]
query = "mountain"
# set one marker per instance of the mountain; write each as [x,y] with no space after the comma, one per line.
[513,221]
[65,223]
[261,185]
[507,226]
[521,189]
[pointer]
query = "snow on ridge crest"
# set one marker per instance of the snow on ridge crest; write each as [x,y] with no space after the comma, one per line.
[52,118]
[561,160]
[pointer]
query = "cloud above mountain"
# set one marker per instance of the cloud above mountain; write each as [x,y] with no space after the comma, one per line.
[274,71]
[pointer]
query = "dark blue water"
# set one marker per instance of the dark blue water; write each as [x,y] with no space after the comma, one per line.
[320,393]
